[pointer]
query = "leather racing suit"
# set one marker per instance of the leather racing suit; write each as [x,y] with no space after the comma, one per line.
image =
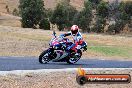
[78,40]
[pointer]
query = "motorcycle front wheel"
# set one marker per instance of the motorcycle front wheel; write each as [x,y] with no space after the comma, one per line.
[44,57]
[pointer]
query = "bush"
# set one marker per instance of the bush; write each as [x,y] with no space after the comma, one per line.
[44,24]
[63,15]
[84,17]
[99,25]
[103,9]
[95,3]
[101,17]
[116,28]
[111,29]
[128,7]
[32,11]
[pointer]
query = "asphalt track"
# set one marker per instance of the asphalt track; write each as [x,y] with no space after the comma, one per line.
[31,63]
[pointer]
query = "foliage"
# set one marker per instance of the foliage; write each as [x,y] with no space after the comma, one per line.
[115,28]
[49,13]
[32,11]
[99,25]
[84,17]
[44,24]
[63,15]
[101,17]
[122,17]
[103,9]
[95,1]
[128,8]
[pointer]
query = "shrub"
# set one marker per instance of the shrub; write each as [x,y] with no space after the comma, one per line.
[84,17]
[99,25]
[63,15]
[44,24]
[116,28]
[32,11]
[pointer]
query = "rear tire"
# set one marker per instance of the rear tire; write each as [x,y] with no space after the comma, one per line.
[44,57]
[73,60]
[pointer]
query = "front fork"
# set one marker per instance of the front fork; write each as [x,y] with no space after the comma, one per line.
[51,53]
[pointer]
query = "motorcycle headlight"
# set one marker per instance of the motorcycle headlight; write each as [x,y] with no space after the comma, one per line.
[55,47]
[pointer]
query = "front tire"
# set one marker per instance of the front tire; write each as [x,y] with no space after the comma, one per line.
[44,57]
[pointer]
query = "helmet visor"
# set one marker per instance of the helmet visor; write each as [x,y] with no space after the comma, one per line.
[74,32]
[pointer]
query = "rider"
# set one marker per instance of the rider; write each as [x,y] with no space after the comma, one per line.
[77,37]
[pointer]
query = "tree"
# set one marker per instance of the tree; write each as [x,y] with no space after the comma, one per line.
[84,17]
[102,9]
[101,17]
[128,7]
[116,28]
[122,16]
[95,1]
[44,24]
[63,15]
[58,16]
[99,25]
[125,11]
[70,13]
[32,11]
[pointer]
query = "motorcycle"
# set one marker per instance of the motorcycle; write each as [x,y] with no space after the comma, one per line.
[57,51]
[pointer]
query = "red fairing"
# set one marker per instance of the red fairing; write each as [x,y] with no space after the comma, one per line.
[55,42]
[74,48]
[80,42]
[77,43]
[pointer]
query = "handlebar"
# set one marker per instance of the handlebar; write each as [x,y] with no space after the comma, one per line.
[54,34]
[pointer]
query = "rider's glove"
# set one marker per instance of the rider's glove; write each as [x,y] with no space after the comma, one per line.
[62,35]
[70,47]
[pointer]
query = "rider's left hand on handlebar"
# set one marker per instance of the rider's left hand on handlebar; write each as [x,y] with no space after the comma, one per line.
[62,35]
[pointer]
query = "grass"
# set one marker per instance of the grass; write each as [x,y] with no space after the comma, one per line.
[112,51]
[29,42]
[101,45]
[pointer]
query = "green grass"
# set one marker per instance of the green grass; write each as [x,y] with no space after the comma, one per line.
[125,52]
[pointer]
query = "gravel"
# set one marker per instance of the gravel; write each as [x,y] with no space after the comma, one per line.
[58,79]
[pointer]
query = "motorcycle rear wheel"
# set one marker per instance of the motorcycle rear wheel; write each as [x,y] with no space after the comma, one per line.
[74,59]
